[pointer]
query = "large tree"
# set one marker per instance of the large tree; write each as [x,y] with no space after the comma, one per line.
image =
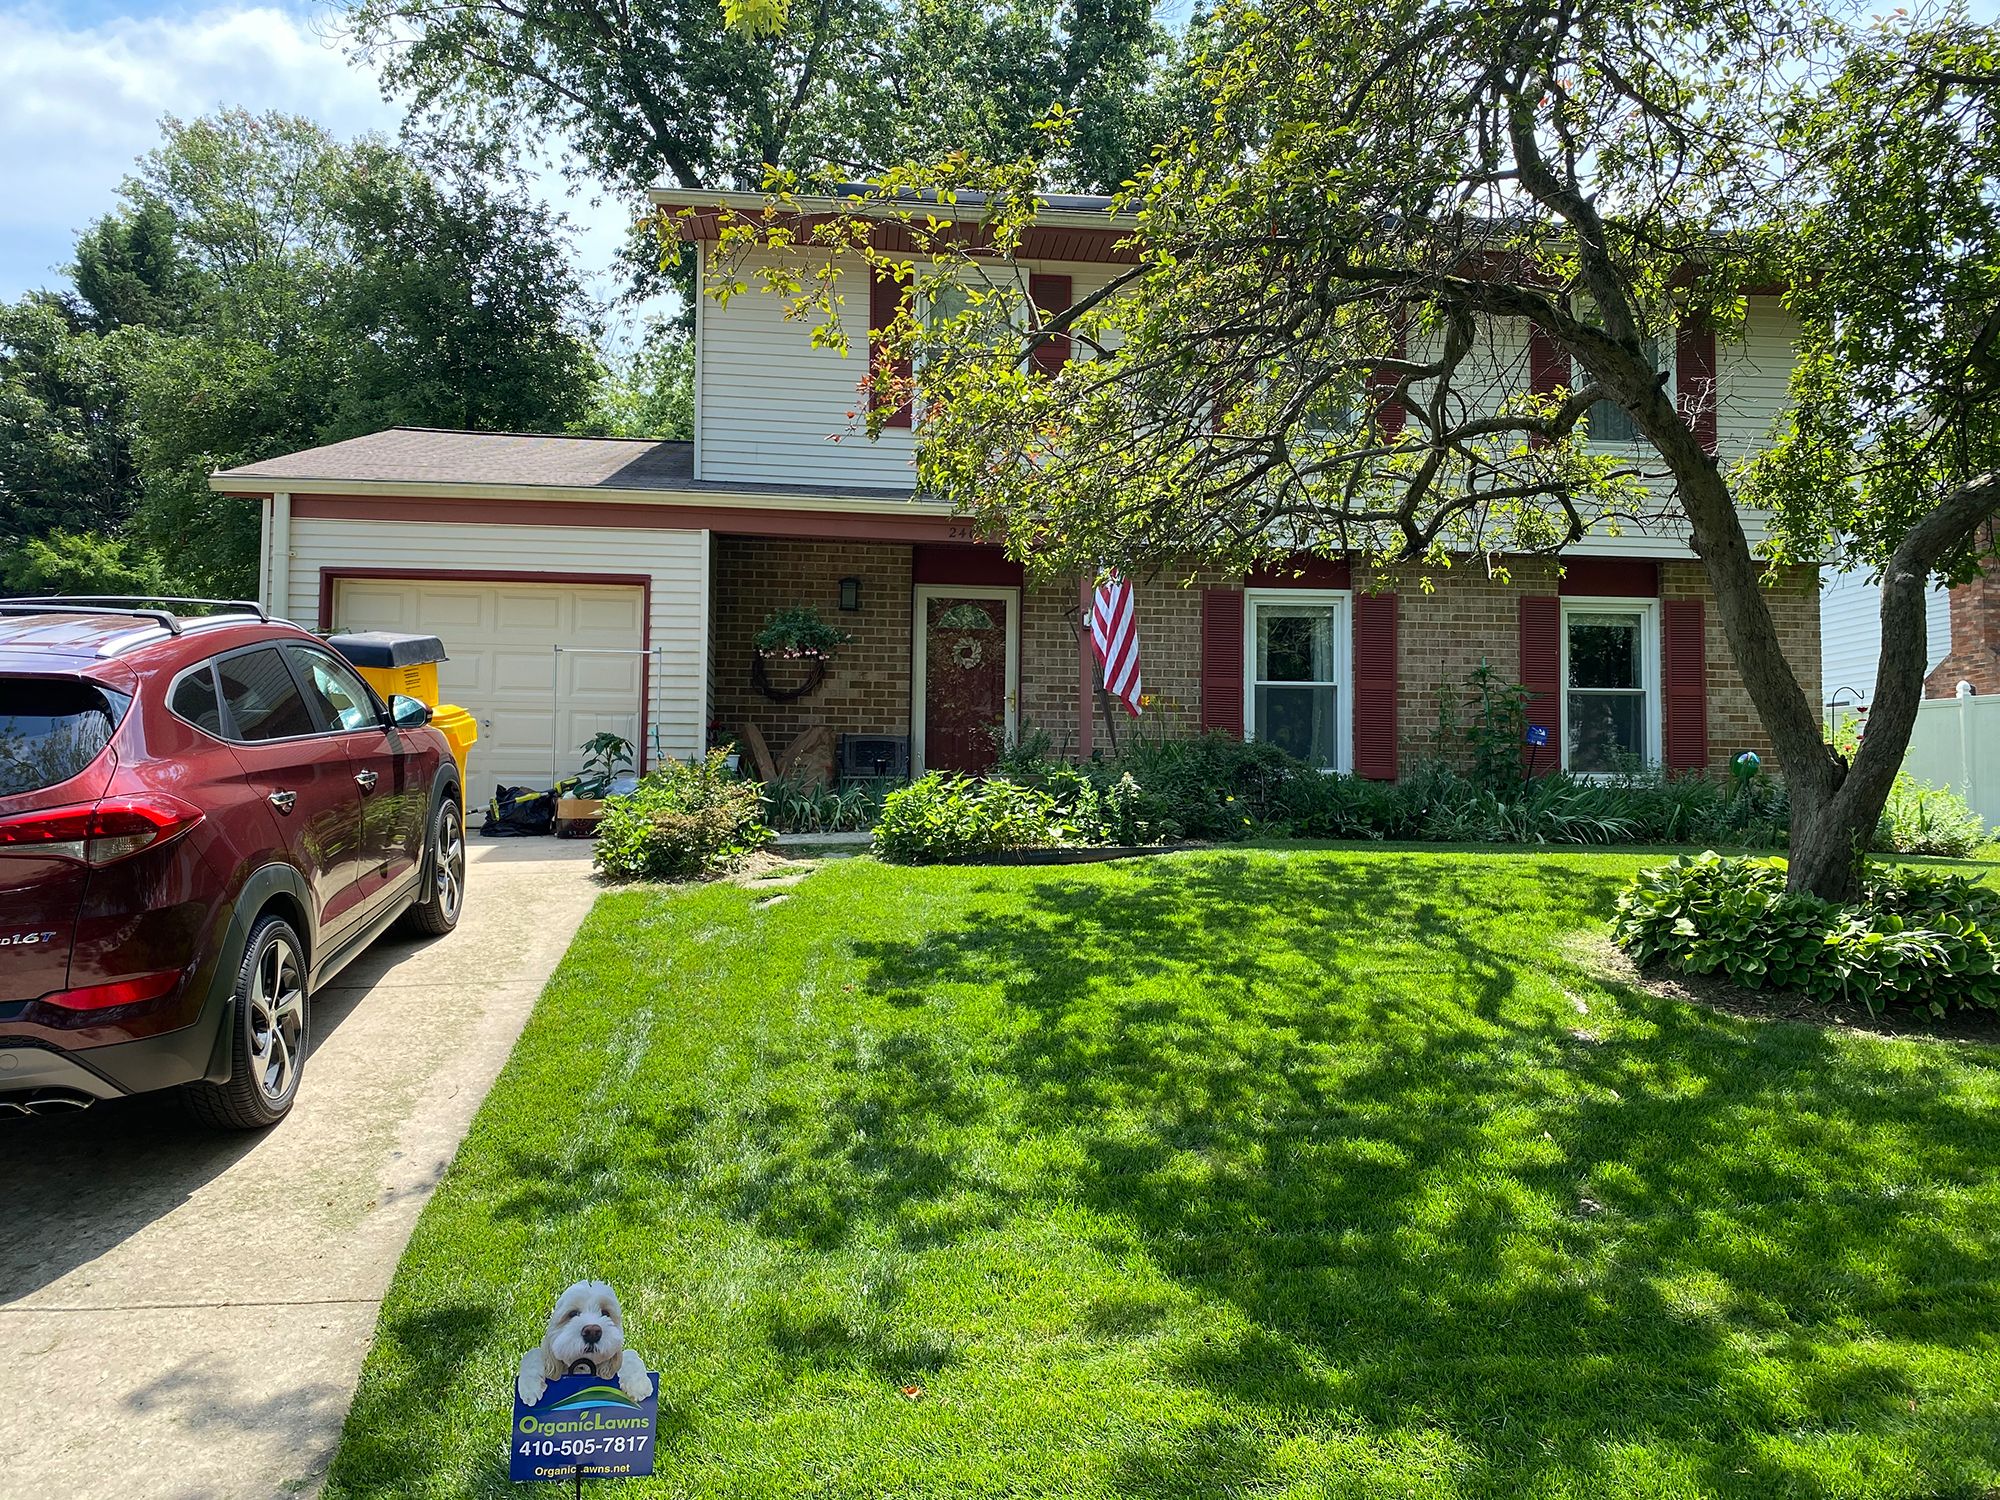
[1356,275]
[667,91]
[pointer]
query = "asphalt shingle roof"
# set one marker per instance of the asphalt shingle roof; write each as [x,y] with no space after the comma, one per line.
[431,455]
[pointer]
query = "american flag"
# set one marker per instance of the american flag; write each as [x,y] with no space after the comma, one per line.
[1114,631]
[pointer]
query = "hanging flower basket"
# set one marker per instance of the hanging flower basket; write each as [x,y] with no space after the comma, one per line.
[801,640]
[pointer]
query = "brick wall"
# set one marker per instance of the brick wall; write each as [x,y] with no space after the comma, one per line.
[867,689]
[1442,636]
[1975,638]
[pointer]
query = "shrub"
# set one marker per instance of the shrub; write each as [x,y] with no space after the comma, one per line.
[1213,787]
[797,808]
[1916,938]
[687,818]
[943,815]
[1925,819]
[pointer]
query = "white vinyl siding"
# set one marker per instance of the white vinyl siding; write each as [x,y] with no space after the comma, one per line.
[1850,626]
[675,561]
[771,409]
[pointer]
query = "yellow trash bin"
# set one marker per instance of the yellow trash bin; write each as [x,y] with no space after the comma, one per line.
[461,729]
[394,662]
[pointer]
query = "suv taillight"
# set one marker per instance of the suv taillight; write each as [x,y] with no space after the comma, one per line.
[99,833]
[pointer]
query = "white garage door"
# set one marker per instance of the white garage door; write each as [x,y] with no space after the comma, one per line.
[500,637]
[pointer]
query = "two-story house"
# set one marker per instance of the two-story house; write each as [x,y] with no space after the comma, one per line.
[588,584]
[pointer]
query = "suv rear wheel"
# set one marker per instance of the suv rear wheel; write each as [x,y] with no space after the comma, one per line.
[268,1051]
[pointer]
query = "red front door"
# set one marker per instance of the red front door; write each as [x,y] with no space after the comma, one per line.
[966,640]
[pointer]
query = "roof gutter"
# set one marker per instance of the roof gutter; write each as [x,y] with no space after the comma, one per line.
[262,486]
[881,208]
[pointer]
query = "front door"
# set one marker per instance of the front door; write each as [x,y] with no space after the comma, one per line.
[966,649]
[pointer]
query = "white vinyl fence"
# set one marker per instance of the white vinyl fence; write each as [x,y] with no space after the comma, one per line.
[1956,743]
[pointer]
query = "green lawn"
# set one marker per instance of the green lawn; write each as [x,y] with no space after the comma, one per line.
[1310,1173]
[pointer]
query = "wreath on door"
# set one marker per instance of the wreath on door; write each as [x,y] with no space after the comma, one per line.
[966,653]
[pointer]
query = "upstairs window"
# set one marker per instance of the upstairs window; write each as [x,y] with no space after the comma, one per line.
[1610,422]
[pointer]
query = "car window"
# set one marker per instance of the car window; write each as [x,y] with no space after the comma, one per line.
[342,698]
[194,700]
[52,728]
[264,701]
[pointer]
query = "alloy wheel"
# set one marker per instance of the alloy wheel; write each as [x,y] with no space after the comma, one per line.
[277,1020]
[450,861]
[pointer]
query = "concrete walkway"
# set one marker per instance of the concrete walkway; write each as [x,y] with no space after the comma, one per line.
[184,1313]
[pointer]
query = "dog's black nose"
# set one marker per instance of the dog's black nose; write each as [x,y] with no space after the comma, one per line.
[592,1332]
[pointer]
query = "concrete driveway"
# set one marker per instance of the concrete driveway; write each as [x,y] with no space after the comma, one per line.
[184,1313]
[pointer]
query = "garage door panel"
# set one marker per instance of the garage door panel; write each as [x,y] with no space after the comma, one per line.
[618,617]
[499,638]
[451,611]
[523,671]
[540,611]
[601,674]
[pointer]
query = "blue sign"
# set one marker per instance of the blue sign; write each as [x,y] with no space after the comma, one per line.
[583,1422]
[1538,734]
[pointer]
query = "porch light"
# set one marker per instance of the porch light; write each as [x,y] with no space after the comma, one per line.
[850,593]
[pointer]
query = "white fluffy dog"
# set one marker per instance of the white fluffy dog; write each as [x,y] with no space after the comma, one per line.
[587,1325]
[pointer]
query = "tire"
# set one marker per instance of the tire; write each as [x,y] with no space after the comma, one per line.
[268,1052]
[437,913]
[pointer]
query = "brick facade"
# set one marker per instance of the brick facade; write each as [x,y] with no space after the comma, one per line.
[1975,638]
[1442,636]
[867,688]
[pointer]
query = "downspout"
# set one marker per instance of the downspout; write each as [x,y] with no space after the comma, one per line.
[281,556]
[264,553]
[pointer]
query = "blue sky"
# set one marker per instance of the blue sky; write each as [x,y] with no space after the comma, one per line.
[83,84]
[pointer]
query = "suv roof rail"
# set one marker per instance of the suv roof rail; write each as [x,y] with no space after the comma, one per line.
[138,606]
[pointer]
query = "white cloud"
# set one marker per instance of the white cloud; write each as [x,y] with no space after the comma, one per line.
[79,103]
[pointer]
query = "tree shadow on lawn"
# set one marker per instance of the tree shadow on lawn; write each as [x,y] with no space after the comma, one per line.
[1445,1209]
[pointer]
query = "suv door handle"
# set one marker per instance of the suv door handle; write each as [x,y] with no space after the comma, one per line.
[367,780]
[284,801]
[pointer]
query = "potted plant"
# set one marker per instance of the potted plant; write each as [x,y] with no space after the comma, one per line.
[580,799]
[794,634]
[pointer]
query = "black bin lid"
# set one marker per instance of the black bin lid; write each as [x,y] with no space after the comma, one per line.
[387,648]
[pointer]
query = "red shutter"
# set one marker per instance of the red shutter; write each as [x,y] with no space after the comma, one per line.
[1222,661]
[1694,379]
[1541,674]
[1389,415]
[1685,678]
[1051,295]
[1548,366]
[1375,686]
[886,297]
[1548,363]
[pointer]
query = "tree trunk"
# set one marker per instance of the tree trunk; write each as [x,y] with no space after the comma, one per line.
[1834,806]
[1829,840]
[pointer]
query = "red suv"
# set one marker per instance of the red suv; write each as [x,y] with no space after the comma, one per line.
[202,819]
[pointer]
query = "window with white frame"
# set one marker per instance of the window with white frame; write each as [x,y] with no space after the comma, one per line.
[1611,685]
[1610,422]
[1296,674]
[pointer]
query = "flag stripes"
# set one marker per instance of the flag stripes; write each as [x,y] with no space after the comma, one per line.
[1114,632]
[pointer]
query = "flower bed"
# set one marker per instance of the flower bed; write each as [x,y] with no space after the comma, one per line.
[1916,938]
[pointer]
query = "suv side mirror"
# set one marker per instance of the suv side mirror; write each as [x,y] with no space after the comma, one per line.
[408,713]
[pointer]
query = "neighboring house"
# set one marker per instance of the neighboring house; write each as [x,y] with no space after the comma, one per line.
[586,584]
[1851,637]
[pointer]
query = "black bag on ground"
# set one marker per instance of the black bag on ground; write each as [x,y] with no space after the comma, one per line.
[519,812]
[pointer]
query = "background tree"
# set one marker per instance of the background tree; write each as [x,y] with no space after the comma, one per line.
[1347,269]
[667,90]
[264,287]
[65,427]
[649,393]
